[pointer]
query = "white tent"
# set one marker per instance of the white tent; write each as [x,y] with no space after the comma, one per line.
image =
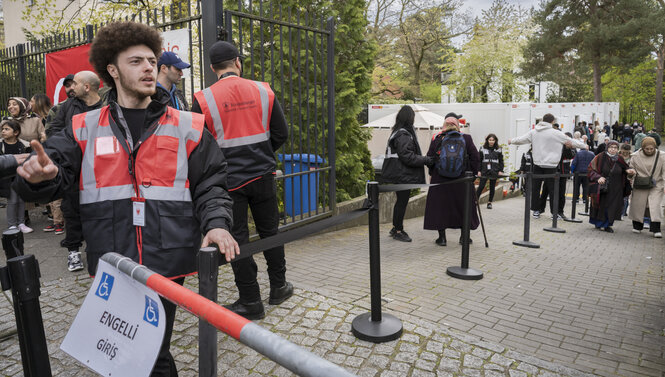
[425,119]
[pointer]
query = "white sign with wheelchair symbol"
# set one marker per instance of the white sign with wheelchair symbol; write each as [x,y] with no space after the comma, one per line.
[119,329]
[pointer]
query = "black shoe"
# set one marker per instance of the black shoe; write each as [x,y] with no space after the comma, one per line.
[392,232]
[281,294]
[470,241]
[250,310]
[609,230]
[563,217]
[402,236]
[489,205]
[440,241]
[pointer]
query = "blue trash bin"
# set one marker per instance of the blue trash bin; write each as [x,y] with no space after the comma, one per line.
[301,191]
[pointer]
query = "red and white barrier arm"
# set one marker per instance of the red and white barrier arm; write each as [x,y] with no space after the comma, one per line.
[276,348]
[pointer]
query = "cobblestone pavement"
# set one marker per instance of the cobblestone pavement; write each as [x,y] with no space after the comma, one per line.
[585,302]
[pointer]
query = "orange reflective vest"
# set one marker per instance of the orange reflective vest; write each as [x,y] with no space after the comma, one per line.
[158,176]
[237,113]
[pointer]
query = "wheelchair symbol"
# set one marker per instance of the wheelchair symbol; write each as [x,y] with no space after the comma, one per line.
[151,314]
[105,286]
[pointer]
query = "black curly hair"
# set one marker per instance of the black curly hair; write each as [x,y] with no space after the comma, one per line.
[115,38]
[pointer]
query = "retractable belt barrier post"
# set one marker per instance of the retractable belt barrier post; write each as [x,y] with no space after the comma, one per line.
[276,348]
[527,214]
[555,206]
[12,243]
[464,272]
[21,275]
[576,194]
[375,326]
[208,272]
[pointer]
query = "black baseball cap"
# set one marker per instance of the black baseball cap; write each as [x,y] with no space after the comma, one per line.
[222,51]
[453,115]
[69,77]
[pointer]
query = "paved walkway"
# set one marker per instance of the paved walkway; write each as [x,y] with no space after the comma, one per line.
[586,302]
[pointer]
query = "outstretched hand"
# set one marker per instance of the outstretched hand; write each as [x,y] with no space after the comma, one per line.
[37,168]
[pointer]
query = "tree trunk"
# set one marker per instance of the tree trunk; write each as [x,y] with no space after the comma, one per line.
[658,119]
[597,83]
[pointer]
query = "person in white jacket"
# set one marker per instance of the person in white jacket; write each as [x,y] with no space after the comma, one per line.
[546,143]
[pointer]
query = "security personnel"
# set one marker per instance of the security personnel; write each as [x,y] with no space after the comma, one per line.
[151,177]
[247,121]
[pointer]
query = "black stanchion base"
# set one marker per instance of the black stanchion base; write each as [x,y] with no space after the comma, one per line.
[573,220]
[387,329]
[554,230]
[464,273]
[530,244]
[583,213]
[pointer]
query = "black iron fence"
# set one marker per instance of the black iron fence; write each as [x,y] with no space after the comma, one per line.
[289,49]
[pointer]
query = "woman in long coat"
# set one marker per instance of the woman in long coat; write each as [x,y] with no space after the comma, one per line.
[444,208]
[607,168]
[642,199]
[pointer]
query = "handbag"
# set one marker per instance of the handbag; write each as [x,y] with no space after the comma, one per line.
[645,183]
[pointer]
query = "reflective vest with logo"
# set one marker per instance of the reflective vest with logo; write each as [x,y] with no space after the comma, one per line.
[237,113]
[170,237]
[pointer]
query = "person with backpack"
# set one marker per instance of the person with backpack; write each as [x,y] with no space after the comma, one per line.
[455,153]
[491,165]
[403,164]
[546,143]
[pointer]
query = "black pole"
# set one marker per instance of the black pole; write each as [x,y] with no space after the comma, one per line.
[208,271]
[211,23]
[12,243]
[23,277]
[22,70]
[576,194]
[375,326]
[464,272]
[555,205]
[527,214]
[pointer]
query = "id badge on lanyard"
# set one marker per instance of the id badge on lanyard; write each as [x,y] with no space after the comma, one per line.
[138,211]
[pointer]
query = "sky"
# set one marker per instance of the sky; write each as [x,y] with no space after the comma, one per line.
[477,6]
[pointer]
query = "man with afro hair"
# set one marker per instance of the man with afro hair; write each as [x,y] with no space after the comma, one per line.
[152,178]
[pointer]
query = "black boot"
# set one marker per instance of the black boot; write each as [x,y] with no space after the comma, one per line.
[441,241]
[249,310]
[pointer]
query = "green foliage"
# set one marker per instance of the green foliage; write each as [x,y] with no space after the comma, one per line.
[430,92]
[578,36]
[489,61]
[635,88]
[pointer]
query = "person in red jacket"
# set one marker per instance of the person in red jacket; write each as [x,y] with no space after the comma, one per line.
[247,121]
[152,179]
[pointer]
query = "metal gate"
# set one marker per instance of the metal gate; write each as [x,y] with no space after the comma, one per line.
[294,53]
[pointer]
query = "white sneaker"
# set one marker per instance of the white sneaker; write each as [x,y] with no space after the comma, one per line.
[13,227]
[24,228]
[637,231]
[74,261]
[658,235]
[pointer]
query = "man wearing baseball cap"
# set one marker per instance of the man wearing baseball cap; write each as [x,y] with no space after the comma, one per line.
[169,73]
[249,127]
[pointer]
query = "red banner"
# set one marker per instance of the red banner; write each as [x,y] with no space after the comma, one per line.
[62,63]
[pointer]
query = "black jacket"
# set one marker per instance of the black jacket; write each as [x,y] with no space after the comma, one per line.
[179,96]
[525,164]
[403,162]
[65,113]
[8,166]
[491,161]
[171,236]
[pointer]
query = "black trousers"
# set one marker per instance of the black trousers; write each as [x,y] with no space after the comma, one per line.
[73,231]
[537,182]
[583,181]
[260,196]
[400,208]
[654,227]
[481,186]
[165,365]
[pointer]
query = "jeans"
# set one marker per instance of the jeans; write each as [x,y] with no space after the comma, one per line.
[400,208]
[481,186]
[261,198]
[15,209]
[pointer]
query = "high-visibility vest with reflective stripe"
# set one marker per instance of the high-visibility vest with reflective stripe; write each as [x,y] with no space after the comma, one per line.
[161,167]
[225,109]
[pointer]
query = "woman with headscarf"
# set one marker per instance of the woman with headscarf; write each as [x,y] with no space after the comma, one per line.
[31,125]
[403,164]
[647,198]
[444,208]
[608,185]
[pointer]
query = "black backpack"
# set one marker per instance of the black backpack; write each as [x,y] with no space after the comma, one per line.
[452,159]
